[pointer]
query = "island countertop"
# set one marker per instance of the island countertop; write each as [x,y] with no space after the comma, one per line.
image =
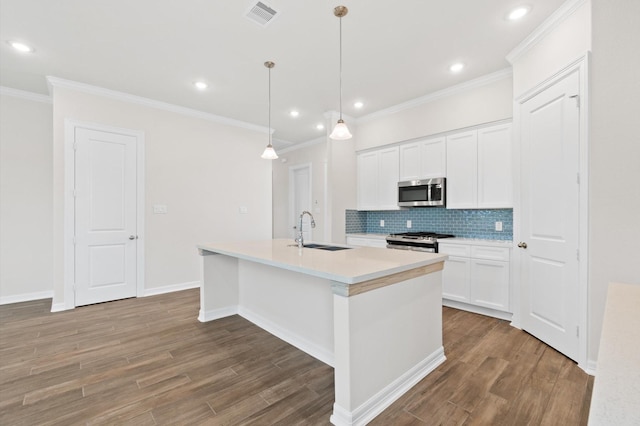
[351,266]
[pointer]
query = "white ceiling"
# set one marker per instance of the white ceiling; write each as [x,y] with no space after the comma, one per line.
[393,52]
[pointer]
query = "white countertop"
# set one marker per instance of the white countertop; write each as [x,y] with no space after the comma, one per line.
[351,266]
[616,390]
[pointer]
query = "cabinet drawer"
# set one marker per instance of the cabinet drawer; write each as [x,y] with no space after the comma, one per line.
[460,250]
[490,253]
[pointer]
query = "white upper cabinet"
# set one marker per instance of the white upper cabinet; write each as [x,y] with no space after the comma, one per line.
[378,174]
[462,170]
[479,168]
[494,167]
[423,159]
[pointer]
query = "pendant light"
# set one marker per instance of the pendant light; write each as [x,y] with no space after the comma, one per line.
[340,131]
[269,153]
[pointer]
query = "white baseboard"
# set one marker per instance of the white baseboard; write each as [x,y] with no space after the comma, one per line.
[59,307]
[477,309]
[214,314]
[26,297]
[387,396]
[296,340]
[590,368]
[170,288]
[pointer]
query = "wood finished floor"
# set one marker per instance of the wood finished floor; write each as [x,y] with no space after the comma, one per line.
[149,361]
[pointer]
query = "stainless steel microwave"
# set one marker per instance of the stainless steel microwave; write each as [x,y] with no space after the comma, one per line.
[422,193]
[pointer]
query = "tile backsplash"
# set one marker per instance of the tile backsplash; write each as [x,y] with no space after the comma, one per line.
[461,223]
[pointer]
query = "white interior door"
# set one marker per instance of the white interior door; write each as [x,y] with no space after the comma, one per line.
[105,216]
[300,181]
[550,215]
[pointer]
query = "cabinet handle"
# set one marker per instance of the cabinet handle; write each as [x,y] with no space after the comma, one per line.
[522,244]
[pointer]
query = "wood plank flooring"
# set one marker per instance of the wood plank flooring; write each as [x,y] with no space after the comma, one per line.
[148,361]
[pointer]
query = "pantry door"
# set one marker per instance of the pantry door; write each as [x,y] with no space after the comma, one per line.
[550,215]
[106,235]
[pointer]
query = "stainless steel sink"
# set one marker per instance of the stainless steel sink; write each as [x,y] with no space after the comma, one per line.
[325,247]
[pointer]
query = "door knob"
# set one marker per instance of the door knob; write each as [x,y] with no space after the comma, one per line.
[522,245]
[132,237]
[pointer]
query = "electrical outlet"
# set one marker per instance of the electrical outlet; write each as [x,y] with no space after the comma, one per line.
[408,224]
[382,223]
[498,226]
[243,210]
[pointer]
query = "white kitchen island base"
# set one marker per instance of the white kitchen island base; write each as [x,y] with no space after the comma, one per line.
[381,330]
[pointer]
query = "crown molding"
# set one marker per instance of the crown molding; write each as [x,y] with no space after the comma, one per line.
[458,88]
[556,18]
[139,100]
[302,145]
[22,94]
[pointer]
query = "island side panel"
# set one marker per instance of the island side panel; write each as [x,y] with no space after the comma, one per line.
[219,287]
[295,307]
[386,340]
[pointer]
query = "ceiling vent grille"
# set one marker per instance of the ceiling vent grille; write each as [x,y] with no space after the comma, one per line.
[261,14]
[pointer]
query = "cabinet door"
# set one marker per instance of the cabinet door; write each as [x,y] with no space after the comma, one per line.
[490,284]
[494,167]
[455,279]
[388,175]
[462,170]
[410,161]
[434,158]
[367,181]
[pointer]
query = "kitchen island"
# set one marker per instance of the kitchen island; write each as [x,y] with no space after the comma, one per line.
[374,315]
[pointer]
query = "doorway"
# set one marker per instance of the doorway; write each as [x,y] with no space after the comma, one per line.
[300,200]
[552,214]
[104,214]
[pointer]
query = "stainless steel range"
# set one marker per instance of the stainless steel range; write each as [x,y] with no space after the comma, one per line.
[419,241]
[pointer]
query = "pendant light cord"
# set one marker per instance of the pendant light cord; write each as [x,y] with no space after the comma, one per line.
[269,107]
[341,68]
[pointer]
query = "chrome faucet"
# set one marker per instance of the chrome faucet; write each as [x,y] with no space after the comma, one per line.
[300,240]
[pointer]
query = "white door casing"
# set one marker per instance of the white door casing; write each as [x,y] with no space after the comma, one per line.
[550,215]
[300,200]
[104,207]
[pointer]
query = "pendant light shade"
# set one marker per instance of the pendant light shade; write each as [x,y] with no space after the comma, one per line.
[340,131]
[269,153]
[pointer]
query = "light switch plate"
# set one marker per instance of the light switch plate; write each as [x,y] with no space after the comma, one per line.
[159,209]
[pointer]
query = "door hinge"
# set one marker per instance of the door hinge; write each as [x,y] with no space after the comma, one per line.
[578,178]
[75,146]
[577,331]
[577,254]
[74,241]
[577,98]
[75,193]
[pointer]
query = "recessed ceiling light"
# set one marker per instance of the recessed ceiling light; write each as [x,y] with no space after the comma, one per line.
[457,67]
[320,126]
[358,105]
[294,113]
[21,47]
[518,13]
[200,85]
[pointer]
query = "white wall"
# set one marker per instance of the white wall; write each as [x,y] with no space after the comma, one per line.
[26,196]
[614,176]
[202,170]
[480,103]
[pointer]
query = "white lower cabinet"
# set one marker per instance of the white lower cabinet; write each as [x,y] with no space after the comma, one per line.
[477,276]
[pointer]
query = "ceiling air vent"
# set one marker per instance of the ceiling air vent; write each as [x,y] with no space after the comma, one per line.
[261,14]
